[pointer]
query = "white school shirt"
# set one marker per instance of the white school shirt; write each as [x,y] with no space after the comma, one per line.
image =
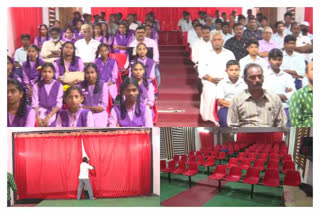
[192,35]
[198,47]
[277,83]
[20,55]
[214,64]
[287,30]
[87,52]
[302,41]
[294,62]
[84,170]
[185,26]
[226,89]
[278,39]
[247,60]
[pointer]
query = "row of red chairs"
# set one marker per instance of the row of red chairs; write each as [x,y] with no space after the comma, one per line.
[271,177]
[263,156]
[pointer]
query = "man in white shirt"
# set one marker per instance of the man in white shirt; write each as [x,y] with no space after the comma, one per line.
[303,44]
[132,25]
[86,48]
[193,38]
[212,70]
[218,23]
[253,49]
[201,45]
[278,37]
[84,178]
[51,49]
[288,18]
[192,33]
[293,63]
[305,27]
[278,81]
[20,54]
[227,88]
[185,24]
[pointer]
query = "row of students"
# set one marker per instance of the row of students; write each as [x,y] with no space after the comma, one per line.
[85,104]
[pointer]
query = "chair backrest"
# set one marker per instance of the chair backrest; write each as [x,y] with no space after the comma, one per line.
[210,160]
[289,166]
[172,165]
[252,155]
[241,155]
[176,158]
[259,163]
[183,158]
[235,171]
[252,172]
[292,178]
[273,164]
[193,166]
[233,160]
[198,153]
[287,158]
[222,155]
[201,159]
[163,164]
[192,158]
[191,153]
[220,169]
[271,173]
[182,165]
[245,162]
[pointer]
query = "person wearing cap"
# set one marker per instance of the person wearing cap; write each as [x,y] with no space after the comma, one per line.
[303,44]
[305,27]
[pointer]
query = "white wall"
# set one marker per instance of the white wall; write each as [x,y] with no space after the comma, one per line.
[156,160]
[45,16]
[10,41]
[197,139]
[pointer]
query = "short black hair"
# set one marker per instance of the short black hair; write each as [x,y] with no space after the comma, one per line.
[198,25]
[264,18]
[217,21]
[252,18]
[248,66]
[232,62]
[194,21]
[278,23]
[55,29]
[25,36]
[205,27]
[225,24]
[288,14]
[289,38]
[84,159]
[236,25]
[252,42]
[140,28]
[241,17]
[275,53]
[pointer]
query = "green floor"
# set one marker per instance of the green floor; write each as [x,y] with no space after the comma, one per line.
[151,201]
[232,194]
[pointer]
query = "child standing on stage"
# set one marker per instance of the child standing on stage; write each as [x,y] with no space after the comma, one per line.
[146,87]
[131,112]
[74,115]
[108,68]
[96,98]
[19,113]
[68,59]
[42,37]
[29,68]
[47,96]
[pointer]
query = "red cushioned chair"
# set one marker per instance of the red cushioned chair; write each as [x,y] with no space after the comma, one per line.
[233,162]
[252,177]
[273,165]
[193,170]
[263,156]
[171,167]
[121,59]
[191,153]
[259,165]
[241,156]
[236,147]
[183,158]
[271,178]
[286,157]
[245,164]
[218,174]
[181,168]
[288,166]
[163,165]
[222,155]
[234,174]
[198,154]
[274,157]
[210,162]
[191,159]
[292,178]
[176,158]
[252,156]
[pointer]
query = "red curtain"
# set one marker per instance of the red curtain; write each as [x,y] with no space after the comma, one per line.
[308,16]
[122,162]
[207,141]
[168,17]
[48,167]
[25,20]
[259,137]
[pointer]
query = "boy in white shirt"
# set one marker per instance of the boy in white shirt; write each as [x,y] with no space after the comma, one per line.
[227,88]
[84,178]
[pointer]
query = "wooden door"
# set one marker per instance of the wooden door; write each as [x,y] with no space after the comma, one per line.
[271,14]
[66,15]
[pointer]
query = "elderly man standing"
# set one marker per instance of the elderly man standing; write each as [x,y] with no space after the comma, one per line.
[211,70]
[86,48]
[51,49]
[255,106]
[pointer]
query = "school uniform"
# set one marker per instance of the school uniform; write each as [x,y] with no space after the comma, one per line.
[31,74]
[60,69]
[47,96]
[38,40]
[82,118]
[121,40]
[149,66]
[108,71]
[147,93]
[247,60]
[97,99]
[226,90]
[27,120]
[131,119]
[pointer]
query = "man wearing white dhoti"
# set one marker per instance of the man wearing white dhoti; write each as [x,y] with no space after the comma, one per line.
[211,70]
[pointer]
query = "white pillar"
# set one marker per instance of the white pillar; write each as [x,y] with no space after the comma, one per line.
[10,38]
[45,16]
[156,159]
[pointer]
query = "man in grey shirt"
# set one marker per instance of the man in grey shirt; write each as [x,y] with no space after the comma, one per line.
[255,106]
